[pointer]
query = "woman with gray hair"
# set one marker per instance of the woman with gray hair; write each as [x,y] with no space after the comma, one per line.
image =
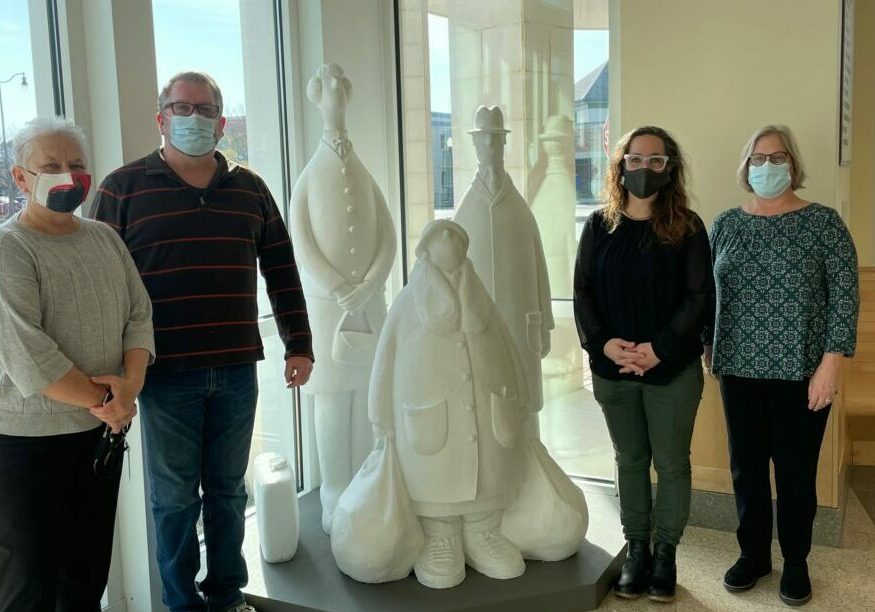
[787,302]
[76,324]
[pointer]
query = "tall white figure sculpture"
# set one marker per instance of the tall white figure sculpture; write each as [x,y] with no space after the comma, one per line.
[345,245]
[506,248]
[453,478]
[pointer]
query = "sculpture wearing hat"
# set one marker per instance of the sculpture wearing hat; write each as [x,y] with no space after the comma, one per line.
[554,204]
[506,248]
[453,479]
[344,242]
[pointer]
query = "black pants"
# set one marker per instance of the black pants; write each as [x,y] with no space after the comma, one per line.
[56,524]
[770,419]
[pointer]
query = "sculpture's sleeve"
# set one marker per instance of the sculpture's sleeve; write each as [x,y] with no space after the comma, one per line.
[381,389]
[307,252]
[510,347]
[382,266]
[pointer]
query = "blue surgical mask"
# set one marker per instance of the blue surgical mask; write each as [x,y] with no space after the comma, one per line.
[769,181]
[193,135]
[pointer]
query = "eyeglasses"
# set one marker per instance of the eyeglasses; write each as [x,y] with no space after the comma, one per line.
[184,109]
[636,162]
[777,158]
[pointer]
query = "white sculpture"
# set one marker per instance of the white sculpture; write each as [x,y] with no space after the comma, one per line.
[449,401]
[344,242]
[506,249]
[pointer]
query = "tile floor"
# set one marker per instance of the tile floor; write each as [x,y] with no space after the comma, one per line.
[843,578]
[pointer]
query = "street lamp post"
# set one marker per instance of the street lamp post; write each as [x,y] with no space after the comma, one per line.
[9,190]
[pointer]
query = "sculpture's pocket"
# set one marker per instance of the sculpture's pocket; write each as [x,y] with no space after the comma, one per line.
[533,331]
[506,419]
[426,426]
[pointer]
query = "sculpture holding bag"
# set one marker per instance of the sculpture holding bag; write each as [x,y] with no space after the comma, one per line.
[454,479]
[345,246]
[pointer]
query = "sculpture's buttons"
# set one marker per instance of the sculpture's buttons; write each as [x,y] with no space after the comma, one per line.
[351,228]
[355,273]
[352,251]
[343,170]
[469,407]
[350,209]
[347,190]
[466,377]
[472,438]
[461,343]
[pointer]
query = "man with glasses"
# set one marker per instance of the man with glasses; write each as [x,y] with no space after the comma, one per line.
[196,226]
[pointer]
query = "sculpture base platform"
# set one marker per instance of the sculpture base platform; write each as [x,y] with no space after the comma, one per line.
[311,581]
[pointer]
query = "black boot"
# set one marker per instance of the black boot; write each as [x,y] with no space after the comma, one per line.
[744,574]
[795,584]
[633,577]
[664,576]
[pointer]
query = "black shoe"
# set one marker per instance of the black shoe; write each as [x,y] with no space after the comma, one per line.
[664,575]
[795,584]
[744,574]
[633,577]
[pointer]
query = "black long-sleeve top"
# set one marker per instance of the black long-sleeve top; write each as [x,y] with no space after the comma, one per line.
[629,285]
[197,251]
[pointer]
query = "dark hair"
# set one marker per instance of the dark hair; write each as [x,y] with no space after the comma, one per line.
[671,217]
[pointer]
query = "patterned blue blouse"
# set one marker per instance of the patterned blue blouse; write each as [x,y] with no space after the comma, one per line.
[786,292]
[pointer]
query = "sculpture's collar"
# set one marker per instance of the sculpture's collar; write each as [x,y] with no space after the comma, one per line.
[443,310]
[339,143]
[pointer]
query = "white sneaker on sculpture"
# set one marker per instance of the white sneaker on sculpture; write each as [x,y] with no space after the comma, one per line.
[489,552]
[441,564]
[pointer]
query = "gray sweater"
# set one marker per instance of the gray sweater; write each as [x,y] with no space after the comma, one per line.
[64,300]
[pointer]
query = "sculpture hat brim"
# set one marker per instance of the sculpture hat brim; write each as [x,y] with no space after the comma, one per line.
[488,120]
[436,227]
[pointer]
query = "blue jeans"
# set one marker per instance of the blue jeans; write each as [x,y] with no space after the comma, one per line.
[197,427]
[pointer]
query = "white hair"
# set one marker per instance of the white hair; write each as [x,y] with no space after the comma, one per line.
[44,126]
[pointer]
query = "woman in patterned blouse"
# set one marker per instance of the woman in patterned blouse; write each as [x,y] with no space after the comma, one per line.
[787,302]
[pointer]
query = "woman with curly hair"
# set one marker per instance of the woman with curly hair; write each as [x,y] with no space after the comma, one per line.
[643,289]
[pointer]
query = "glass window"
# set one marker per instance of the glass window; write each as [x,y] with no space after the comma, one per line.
[234,42]
[545,64]
[17,98]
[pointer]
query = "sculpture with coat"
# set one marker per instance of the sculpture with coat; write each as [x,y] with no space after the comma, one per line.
[454,479]
[344,241]
[506,250]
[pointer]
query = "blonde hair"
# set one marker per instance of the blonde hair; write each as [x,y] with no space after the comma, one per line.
[797,168]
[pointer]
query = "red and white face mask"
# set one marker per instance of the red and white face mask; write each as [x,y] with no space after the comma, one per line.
[63,192]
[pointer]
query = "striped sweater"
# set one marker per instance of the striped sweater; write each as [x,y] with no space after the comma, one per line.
[196,250]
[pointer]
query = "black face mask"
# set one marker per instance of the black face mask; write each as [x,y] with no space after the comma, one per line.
[644,182]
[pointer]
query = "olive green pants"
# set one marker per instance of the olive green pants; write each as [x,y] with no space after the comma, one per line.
[652,423]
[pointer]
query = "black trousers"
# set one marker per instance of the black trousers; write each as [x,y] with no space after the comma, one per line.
[56,524]
[770,419]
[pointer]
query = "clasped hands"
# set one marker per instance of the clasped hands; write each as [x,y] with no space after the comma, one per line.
[353,299]
[122,408]
[632,358]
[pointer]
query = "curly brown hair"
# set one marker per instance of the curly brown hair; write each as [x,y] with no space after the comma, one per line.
[671,218]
